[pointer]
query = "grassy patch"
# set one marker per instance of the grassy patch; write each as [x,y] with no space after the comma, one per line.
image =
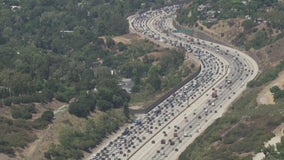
[75,138]
[267,76]
[17,133]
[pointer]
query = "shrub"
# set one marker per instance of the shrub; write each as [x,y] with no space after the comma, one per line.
[6,149]
[23,112]
[61,97]
[39,124]
[248,24]
[104,105]
[27,99]
[16,100]
[121,46]
[78,109]
[7,101]
[60,152]
[47,116]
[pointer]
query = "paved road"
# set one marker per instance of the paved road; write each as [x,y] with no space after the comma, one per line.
[171,126]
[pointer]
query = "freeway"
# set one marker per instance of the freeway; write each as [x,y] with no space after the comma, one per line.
[166,130]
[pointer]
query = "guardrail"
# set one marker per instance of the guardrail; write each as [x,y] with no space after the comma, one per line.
[165,96]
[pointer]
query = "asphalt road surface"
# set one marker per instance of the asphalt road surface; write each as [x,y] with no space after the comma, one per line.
[166,130]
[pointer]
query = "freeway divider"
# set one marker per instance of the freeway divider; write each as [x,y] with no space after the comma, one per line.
[165,96]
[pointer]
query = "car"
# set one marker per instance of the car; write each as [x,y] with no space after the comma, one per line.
[185,134]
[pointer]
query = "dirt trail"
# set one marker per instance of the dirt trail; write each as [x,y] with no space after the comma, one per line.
[273,141]
[265,97]
[47,136]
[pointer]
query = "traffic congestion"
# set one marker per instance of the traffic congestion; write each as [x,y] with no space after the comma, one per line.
[166,130]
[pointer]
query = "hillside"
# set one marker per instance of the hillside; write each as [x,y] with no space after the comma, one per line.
[253,26]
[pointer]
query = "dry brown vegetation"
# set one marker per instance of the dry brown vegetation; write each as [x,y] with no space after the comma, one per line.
[267,57]
[126,39]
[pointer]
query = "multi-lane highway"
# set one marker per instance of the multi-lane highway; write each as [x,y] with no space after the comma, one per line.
[166,130]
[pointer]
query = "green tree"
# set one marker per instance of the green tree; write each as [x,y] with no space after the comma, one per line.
[47,116]
[126,110]
[110,42]
[121,46]
[155,81]
[22,112]
[79,109]
[275,89]
[104,105]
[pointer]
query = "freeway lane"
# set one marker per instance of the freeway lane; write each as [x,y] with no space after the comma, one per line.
[179,119]
[230,92]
